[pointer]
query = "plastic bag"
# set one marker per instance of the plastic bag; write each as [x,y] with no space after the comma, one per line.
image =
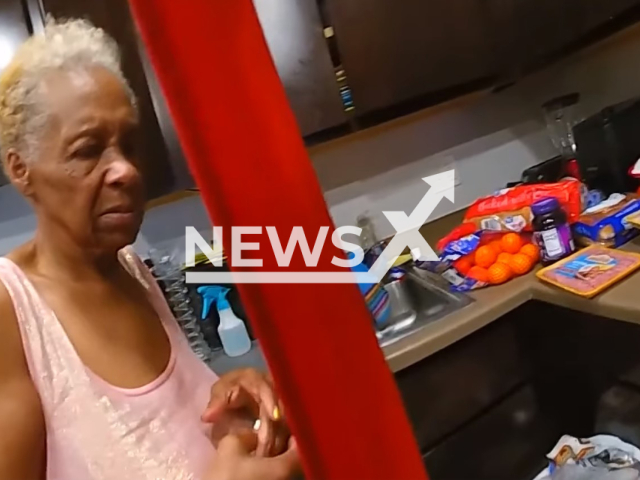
[603,452]
[509,210]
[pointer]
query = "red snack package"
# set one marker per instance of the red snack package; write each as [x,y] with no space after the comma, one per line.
[509,210]
[457,233]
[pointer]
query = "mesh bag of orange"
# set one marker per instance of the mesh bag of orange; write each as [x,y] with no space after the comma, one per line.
[484,258]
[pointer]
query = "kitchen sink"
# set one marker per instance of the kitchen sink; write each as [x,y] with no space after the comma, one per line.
[417,300]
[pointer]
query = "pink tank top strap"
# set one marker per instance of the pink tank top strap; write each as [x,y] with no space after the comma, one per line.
[94,431]
[39,329]
[137,269]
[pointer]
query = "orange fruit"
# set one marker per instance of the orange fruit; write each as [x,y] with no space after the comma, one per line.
[511,243]
[499,273]
[485,256]
[478,273]
[472,258]
[504,257]
[531,251]
[463,265]
[521,264]
[497,247]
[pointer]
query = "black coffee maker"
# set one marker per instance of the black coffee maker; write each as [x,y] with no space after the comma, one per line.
[608,145]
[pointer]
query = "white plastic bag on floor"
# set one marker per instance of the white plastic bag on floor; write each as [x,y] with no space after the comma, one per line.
[595,456]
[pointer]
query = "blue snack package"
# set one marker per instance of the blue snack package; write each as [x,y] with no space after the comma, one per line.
[451,253]
[460,248]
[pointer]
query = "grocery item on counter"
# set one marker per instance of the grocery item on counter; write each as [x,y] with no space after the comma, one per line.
[594,197]
[511,243]
[590,271]
[608,223]
[462,230]
[520,263]
[509,210]
[505,258]
[499,273]
[485,256]
[482,259]
[551,231]
[402,259]
[532,251]
[634,219]
[479,274]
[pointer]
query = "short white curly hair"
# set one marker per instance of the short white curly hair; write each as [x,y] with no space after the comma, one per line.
[64,45]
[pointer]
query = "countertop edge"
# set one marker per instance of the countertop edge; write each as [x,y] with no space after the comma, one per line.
[456,326]
[621,302]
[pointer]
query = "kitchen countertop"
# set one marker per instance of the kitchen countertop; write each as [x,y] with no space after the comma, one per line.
[620,302]
[221,363]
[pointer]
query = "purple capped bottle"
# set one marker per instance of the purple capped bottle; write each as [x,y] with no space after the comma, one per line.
[551,230]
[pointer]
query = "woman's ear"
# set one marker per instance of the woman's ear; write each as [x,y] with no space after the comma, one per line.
[18,172]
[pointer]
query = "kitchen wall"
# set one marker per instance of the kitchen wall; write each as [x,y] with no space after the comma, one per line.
[17,221]
[163,227]
[488,138]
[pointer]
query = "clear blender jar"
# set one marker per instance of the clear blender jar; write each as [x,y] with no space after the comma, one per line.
[560,114]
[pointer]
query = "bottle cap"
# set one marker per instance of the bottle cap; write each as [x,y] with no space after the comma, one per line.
[544,206]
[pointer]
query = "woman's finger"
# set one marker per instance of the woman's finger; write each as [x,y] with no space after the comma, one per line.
[266,434]
[235,398]
[238,444]
[288,464]
[280,441]
[269,400]
[222,396]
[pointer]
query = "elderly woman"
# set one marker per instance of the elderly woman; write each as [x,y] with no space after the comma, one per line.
[96,379]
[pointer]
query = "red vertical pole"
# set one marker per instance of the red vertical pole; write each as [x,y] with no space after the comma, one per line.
[250,163]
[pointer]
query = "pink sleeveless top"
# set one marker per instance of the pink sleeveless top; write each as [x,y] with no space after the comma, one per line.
[96,431]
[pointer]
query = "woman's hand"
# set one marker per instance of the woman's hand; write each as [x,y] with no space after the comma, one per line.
[238,399]
[234,461]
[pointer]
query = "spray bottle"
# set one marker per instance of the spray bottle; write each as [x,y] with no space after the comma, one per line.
[232,330]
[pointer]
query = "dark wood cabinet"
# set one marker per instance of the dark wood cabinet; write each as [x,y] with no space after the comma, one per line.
[514,431]
[527,34]
[295,37]
[398,52]
[448,389]
[596,14]
[114,16]
[294,34]
[395,51]
[398,56]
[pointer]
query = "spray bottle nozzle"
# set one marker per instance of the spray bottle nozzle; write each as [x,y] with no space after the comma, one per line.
[210,294]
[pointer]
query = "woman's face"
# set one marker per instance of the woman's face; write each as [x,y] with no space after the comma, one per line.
[85,181]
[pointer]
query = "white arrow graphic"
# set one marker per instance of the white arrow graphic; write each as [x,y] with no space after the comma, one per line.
[408,235]
[442,186]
